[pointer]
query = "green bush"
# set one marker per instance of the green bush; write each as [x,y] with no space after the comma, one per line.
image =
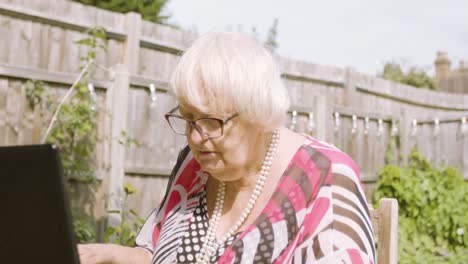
[414,76]
[151,10]
[126,232]
[433,210]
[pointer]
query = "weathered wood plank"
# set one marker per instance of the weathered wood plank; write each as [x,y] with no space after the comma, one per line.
[407,94]
[55,46]
[149,194]
[13,112]
[27,73]
[58,20]
[464,145]
[132,42]
[25,118]
[3,110]
[119,118]
[387,251]
[5,32]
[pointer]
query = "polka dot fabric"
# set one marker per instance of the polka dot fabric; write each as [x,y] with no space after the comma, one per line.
[194,237]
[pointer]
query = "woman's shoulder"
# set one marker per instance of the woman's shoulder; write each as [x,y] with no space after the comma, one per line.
[328,150]
[185,155]
[328,154]
[185,169]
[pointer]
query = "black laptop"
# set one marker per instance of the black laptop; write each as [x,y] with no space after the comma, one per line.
[35,219]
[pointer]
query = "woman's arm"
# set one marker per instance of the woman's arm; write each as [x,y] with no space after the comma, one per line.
[112,254]
[337,227]
[348,237]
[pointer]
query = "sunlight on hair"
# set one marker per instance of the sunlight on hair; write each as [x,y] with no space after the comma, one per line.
[231,72]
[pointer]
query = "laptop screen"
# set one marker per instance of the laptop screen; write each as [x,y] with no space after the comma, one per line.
[35,222]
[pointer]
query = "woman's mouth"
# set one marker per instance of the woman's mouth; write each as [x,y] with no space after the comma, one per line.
[206,154]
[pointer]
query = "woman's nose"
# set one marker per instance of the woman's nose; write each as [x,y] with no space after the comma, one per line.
[194,136]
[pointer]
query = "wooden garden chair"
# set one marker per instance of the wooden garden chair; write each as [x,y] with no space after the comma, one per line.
[385,224]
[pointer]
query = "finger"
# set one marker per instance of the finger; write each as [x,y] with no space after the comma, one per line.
[90,259]
[83,249]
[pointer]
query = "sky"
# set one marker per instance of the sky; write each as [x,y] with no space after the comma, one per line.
[363,34]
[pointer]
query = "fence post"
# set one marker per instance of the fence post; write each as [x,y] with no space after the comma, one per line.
[322,115]
[118,114]
[118,94]
[405,130]
[464,165]
[132,43]
[351,98]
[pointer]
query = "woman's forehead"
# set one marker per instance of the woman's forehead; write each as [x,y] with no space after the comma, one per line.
[194,111]
[190,109]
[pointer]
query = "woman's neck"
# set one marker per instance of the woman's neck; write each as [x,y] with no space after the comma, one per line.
[238,192]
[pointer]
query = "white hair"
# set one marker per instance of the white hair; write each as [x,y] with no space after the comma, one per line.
[227,72]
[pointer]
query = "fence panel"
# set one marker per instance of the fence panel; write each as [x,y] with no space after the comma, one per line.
[41,44]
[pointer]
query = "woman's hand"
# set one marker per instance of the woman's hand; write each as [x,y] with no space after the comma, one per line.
[112,254]
[96,253]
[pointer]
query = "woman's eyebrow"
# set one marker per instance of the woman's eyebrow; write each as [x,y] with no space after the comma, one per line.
[186,114]
[181,110]
[191,115]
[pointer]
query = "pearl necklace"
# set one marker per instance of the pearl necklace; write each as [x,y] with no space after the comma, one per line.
[210,245]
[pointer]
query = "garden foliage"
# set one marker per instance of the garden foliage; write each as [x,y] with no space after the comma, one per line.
[75,133]
[433,210]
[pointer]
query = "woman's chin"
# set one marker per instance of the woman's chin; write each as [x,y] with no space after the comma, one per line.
[210,165]
[206,155]
[215,170]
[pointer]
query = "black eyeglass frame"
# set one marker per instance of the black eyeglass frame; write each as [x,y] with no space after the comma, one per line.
[193,124]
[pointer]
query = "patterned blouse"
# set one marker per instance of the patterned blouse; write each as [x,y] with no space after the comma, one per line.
[318,214]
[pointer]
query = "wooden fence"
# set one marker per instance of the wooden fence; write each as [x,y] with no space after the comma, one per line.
[341,106]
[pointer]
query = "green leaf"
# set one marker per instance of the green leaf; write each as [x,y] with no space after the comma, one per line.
[129,188]
[86,41]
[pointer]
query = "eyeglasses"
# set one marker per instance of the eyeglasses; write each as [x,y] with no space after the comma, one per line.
[208,127]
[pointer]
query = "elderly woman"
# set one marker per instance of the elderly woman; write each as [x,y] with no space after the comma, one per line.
[246,189]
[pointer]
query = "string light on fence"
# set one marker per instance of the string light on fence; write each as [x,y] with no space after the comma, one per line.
[366,125]
[463,126]
[354,127]
[379,127]
[293,120]
[153,97]
[93,97]
[311,123]
[436,127]
[394,131]
[414,127]
[337,121]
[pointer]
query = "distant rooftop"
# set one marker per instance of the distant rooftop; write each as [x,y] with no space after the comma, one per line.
[451,80]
